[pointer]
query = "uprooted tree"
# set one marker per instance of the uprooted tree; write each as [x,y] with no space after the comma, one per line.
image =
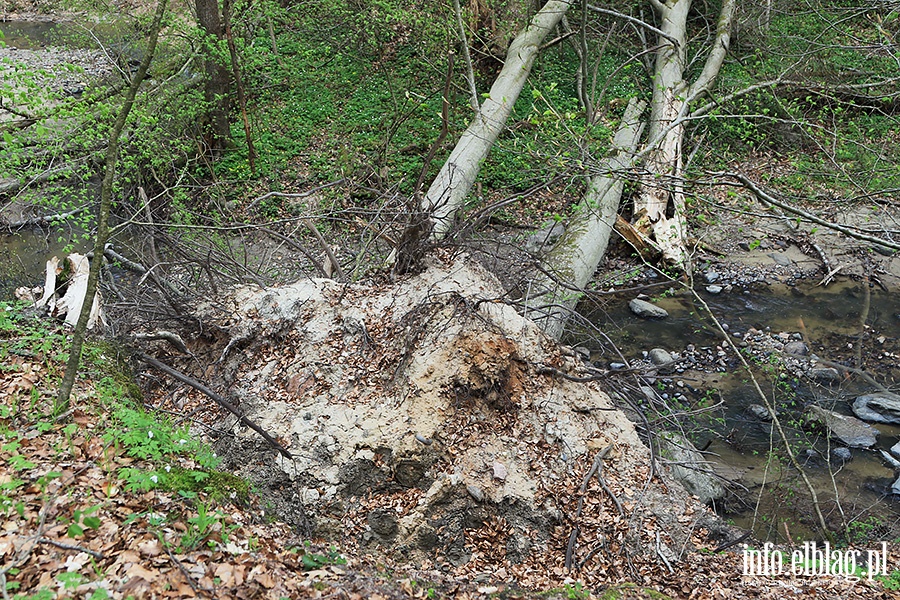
[447,193]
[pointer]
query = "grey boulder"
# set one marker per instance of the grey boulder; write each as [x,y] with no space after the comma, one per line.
[880,407]
[646,310]
[849,430]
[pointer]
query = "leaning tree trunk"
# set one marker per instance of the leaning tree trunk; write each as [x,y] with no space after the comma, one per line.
[449,189]
[571,263]
[659,207]
[106,191]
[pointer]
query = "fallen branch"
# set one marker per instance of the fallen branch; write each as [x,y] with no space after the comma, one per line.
[42,221]
[768,199]
[217,398]
[195,585]
[596,468]
[75,547]
[172,338]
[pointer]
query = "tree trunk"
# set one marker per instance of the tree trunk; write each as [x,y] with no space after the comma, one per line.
[218,132]
[106,189]
[571,263]
[659,207]
[449,189]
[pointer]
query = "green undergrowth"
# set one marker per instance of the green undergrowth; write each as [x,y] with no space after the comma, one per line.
[162,454]
[831,141]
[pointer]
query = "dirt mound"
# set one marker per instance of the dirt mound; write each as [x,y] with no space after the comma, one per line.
[429,418]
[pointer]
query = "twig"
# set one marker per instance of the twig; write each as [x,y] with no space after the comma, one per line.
[187,574]
[334,262]
[827,279]
[26,549]
[636,21]
[661,555]
[217,398]
[733,543]
[75,547]
[297,195]
[464,45]
[596,467]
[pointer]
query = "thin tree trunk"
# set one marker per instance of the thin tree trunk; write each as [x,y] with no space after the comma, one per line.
[571,263]
[78,336]
[239,83]
[449,189]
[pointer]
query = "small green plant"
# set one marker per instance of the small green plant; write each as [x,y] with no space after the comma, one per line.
[576,591]
[316,560]
[200,527]
[82,519]
[890,582]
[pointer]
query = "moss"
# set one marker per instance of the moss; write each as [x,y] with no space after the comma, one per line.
[218,484]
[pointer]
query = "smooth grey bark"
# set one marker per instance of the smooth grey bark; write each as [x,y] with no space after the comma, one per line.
[571,263]
[447,193]
[659,207]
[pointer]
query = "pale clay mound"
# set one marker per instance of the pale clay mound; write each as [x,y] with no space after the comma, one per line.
[415,412]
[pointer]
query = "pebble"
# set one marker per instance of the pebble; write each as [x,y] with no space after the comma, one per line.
[842,454]
[475,492]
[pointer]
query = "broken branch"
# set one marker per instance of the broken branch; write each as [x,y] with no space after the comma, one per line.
[216,397]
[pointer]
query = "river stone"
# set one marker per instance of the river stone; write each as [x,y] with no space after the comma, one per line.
[889,459]
[662,359]
[682,456]
[842,454]
[896,487]
[781,259]
[711,276]
[645,310]
[880,407]
[798,348]
[895,449]
[545,238]
[714,289]
[849,430]
[760,412]
[824,374]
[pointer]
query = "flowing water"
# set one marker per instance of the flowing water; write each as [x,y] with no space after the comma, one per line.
[830,320]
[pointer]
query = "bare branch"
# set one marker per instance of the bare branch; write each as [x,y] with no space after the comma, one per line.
[716,56]
[464,44]
[769,199]
[636,21]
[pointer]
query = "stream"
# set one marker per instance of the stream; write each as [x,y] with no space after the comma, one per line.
[828,320]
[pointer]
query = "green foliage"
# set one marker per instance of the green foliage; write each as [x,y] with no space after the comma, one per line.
[890,582]
[317,560]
